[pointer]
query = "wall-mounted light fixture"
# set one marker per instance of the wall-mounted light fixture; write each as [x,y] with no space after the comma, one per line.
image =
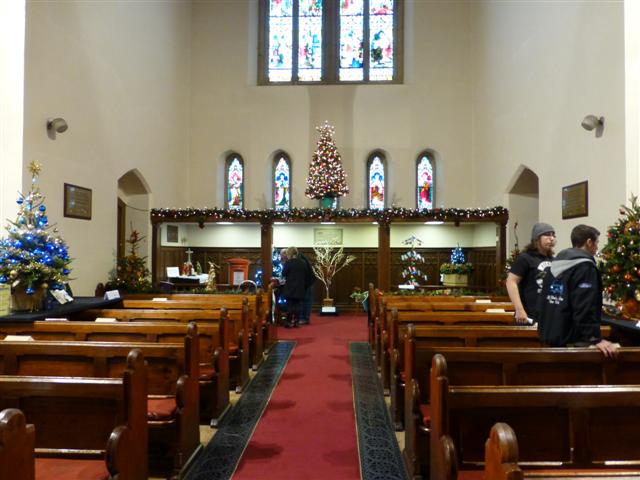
[591,121]
[56,125]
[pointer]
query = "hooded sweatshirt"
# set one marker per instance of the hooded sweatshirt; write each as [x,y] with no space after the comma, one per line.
[571,300]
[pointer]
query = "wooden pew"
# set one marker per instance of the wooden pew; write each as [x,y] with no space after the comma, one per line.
[501,461]
[213,348]
[424,304]
[172,384]
[96,424]
[397,321]
[17,443]
[494,366]
[240,333]
[562,427]
[256,313]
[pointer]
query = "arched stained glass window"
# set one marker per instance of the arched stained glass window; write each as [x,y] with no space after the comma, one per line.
[234,182]
[425,175]
[376,192]
[362,41]
[281,182]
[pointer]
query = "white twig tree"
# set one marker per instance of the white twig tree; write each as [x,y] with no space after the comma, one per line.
[329,261]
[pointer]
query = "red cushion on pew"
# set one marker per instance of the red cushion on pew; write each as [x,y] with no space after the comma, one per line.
[403,377]
[161,408]
[470,474]
[425,410]
[58,468]
[207,372]
[233,348]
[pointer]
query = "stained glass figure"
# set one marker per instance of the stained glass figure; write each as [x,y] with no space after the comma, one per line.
[235,183]
[351,40]
[280,40]
[381,40]
[282,184]
[425,183]
[376,183]
[310,41]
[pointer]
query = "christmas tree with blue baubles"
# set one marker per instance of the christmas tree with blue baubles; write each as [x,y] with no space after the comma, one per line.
[32,258]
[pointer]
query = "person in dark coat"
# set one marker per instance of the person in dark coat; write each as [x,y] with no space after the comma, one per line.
[570,303]
[294,273]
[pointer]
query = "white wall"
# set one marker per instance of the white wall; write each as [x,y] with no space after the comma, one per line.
[118,72]
[12,21]
[353,235]
[432,109]
[540,67]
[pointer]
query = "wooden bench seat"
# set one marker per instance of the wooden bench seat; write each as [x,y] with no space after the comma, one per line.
[238,347]
[559,427]
[393,329]
[172,382]
[213,349]
[259,334]
[512,360]
[89,423]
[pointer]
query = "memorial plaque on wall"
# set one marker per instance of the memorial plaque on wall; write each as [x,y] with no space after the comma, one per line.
[575,200]
[77,202]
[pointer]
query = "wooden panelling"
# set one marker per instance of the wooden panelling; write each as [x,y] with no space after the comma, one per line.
[362,271]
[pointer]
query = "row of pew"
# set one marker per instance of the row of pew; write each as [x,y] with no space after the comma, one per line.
[188,352]
[479,397]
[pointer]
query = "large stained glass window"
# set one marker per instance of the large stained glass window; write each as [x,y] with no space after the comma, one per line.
[425,174]
[281,182]
[234,182]
[376,181]
[330,41]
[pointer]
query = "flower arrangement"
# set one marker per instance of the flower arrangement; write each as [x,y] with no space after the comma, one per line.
[457,266]
[329,261]
[31,258]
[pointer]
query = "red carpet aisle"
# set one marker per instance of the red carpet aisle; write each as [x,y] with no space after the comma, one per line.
[308,429]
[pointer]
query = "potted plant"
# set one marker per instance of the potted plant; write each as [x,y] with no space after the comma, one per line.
[329,261]
[456,273]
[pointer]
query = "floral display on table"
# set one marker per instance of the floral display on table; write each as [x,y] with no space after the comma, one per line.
[131,274]
[411,273]
[620,260]
[329,261]
[327,179]
[456,273]
[32,258]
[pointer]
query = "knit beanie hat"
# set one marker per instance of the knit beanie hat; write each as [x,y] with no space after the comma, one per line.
[540,229]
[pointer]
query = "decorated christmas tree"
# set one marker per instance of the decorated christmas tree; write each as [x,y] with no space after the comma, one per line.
[620,263]
[411,273]
[327,179]
[32,259]
[132,274]
[458,264]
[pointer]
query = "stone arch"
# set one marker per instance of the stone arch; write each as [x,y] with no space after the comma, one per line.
[523,202]
[133,211]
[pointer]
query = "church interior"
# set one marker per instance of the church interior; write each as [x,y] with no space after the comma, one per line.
[169,131]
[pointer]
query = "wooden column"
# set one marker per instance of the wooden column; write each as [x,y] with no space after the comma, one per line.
[501,250]
[384,257]
[155,252]
[266,246]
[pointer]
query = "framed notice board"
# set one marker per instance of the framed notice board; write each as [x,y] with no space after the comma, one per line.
[575,200]
[77,202]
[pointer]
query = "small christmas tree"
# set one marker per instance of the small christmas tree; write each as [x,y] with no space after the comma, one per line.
[458,264]
[411,274]
[31,258]
[132,274]
[620,263]
[327,179]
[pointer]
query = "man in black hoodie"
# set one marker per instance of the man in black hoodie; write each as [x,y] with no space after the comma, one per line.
[570,304]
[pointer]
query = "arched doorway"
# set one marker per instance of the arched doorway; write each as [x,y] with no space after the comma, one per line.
[133,212]
[523,205]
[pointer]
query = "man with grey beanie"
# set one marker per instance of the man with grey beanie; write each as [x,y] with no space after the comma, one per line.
[524,278]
